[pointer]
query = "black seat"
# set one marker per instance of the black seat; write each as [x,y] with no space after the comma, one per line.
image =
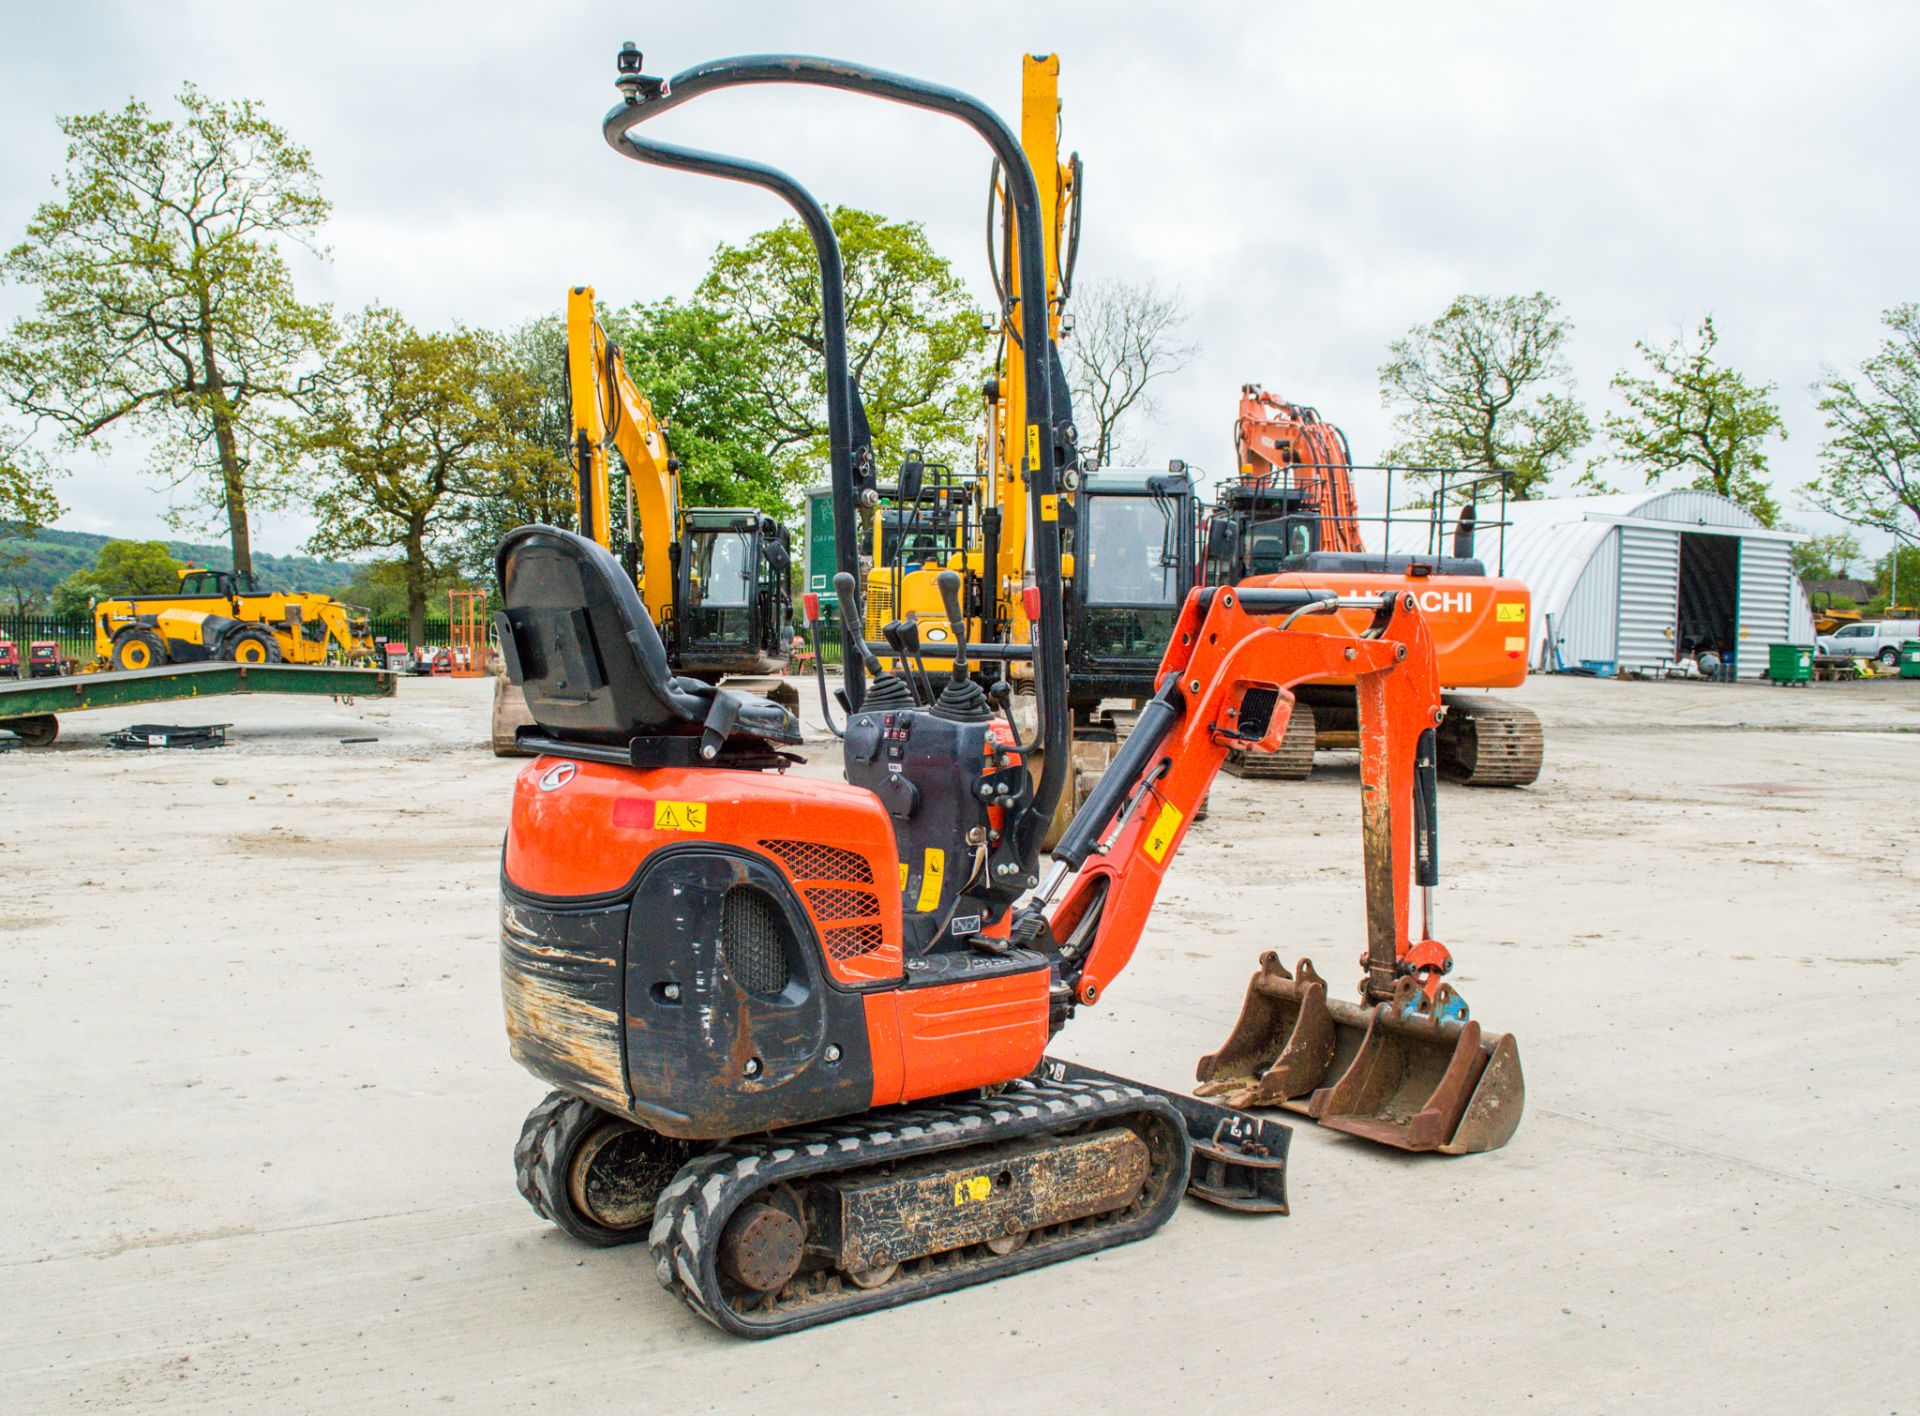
[577,638]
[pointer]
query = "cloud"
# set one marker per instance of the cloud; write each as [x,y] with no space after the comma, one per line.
[1314,177]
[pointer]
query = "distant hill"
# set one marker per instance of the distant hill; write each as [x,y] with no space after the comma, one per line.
[51,556]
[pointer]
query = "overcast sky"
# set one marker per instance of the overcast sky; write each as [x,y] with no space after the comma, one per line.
[1315,178]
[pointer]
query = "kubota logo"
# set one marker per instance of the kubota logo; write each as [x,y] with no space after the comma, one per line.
[557,776]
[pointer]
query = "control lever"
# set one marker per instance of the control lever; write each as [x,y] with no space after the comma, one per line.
[910,640]
[950,598]
[811,603]
[844,588]
[905,649]
[889,691]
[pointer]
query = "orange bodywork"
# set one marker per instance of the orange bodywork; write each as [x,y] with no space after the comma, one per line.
[963,1035]
[582,831]
[591,839]
[1478,622]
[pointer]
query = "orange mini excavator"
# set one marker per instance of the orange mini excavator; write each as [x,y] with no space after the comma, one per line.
[798,1027]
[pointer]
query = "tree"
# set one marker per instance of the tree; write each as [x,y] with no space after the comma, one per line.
[121,568]
[1124,339]
[27,501]
[381,586]
[917,341]
[702,372]
[1826,557]
[535,482]
[165,305]
[1896,580]
[1486,387]
[1691,416]
[406,429]
[1870,466]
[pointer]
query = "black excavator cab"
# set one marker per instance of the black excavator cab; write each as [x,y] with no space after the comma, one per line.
[1133,540]
[733,598]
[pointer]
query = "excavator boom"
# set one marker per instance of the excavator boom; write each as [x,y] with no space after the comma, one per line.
[610,411]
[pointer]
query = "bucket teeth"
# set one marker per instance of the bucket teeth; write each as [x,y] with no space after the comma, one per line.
[1415,1073]
[1283,1043]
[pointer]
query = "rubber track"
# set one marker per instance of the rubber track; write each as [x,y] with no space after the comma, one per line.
[693,1210]
[1485,742]
[534,1170]
[1292,763]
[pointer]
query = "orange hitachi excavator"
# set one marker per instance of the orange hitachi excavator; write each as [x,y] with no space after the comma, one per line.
[1291,519]
[797,1028]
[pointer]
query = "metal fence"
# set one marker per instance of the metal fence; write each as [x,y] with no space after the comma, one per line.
[73,633]
[394,628]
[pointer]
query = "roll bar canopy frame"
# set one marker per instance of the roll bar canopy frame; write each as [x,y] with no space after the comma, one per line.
[645,97]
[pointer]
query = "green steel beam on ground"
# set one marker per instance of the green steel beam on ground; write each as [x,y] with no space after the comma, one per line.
[78,692]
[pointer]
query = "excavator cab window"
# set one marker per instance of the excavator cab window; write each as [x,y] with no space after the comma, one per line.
[723,564]
[1133,565]
[1274,543]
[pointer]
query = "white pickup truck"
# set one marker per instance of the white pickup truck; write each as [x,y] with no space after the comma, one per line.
[1870,639]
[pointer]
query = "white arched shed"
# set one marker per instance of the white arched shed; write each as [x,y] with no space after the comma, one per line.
[1641,578]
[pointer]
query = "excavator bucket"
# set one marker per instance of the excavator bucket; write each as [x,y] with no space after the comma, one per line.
[1411,1073]
[1283,1044]
[1425,1079]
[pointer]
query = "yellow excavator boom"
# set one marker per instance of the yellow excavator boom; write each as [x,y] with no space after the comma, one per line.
[609,411]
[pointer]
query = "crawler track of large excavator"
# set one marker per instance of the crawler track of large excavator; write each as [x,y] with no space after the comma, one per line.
[769,1234]
[1293,762]
[1487,742]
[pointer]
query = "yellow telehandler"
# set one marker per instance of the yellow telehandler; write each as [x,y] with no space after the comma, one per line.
[218,615]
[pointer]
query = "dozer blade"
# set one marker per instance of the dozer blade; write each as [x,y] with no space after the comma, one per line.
[1283,1044]
[1423,1080]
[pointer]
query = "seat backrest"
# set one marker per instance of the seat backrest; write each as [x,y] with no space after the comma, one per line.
[577,638]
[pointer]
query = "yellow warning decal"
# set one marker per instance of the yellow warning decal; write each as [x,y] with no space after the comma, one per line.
[971,1190]
[903,875]
[932,871]
[1510,612]
[1033,447]
[1160,838]
[1049,508]
[1516,644]
[680,816]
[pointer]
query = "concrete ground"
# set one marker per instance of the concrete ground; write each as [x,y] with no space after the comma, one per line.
[261,1109]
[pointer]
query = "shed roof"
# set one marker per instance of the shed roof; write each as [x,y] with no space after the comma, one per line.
[1549,542]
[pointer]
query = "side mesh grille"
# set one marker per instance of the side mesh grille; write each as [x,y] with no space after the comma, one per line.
[851,942]
[752,940]
[830,904]
[1256,710]
[807,860]
[879,607]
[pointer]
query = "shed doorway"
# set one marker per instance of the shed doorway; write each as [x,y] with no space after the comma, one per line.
[1708,613]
